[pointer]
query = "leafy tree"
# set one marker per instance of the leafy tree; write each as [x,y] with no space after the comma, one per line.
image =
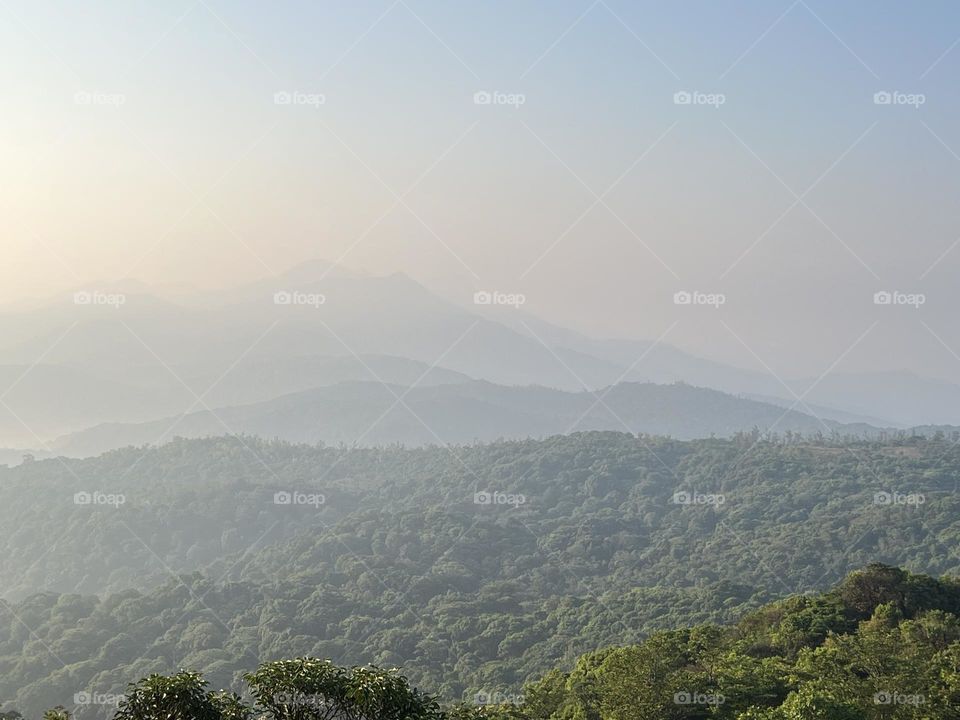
[312,689]
[178,697]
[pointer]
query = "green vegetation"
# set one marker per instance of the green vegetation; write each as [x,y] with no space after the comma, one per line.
[618,538]
[798,514]
[883,644]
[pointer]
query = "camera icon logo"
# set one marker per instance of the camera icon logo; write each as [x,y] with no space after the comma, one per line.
[482,498]
[82,498]
[282,498]
[882,297]
[882,98]
[282,297]
[482,97]
[682,97]
[282,98]
[682,298]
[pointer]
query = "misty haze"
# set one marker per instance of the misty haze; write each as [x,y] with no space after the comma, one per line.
[418,360]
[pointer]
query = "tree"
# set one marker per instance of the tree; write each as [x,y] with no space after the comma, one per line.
[178,697]
[312,689]
[875,585]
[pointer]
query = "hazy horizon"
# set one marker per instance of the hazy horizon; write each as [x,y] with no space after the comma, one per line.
[574,359]
[188,294]
[212,144]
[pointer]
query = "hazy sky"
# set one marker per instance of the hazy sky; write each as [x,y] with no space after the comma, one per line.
[145,139]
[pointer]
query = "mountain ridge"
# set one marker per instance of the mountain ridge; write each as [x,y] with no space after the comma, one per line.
[373,413]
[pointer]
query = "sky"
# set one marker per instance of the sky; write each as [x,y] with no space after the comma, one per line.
[541,148]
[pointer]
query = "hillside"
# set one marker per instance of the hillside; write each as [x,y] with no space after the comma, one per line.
[430,559]
[883,643]
[594,497]
[68,366]
[43,401]
[372,413]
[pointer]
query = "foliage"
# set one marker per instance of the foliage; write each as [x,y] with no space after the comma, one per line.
[899,660]
[312,689]
[400,567]
[181,697]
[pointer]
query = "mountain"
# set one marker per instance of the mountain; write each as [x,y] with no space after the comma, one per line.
[143,356]
[881,638]
[820,411]
[126,353]
[472,567]
[371,413]
[45,401]
[144,338]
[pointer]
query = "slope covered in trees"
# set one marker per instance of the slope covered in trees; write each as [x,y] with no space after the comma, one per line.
[428,559]
[791,514]
[882,644]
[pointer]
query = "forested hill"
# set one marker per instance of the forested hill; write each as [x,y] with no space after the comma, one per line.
[591,502]
[470,566]
[882,644]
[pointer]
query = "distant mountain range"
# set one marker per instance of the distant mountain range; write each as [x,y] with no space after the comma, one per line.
[69,366]
[372,413]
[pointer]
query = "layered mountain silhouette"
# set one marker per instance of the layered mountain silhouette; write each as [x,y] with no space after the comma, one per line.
[373,413]
[79,361]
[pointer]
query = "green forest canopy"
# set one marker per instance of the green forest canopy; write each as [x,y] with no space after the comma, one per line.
[618,537]
[883,644]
